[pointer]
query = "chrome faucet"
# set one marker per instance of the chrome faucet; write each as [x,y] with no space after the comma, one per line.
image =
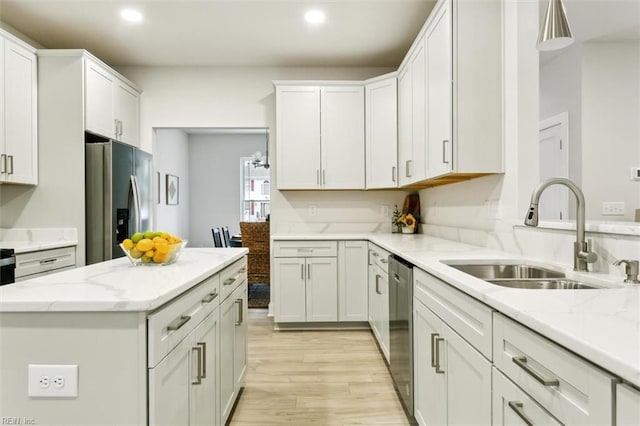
[582,256]
[630,270]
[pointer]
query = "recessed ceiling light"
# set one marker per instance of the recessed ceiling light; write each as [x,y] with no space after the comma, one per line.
[314,17]
[131,15]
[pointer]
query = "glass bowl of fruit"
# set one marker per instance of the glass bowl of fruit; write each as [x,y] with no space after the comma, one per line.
[152,248]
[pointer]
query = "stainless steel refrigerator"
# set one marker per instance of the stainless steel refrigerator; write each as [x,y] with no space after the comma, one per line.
[118,188]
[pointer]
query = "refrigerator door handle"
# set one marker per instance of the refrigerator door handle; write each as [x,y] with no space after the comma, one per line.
[136,204]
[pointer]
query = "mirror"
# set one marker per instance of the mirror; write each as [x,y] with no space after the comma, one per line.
[590,111]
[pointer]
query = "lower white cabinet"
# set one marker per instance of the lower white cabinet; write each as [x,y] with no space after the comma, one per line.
[37,263]
[452,380]
[233,347]
[379,307]
[352,281]
[627,405]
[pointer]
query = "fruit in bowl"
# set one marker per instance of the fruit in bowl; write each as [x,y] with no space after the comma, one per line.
[152,248]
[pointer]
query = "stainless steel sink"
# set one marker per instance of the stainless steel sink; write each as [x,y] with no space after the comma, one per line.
[545,284]
[511,272]
[521,276]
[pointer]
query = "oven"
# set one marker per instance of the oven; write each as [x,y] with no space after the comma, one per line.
[7,266]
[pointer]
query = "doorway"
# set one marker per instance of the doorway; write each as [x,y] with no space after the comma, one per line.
[554,162]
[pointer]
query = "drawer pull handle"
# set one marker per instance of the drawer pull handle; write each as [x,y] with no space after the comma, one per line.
[438,370]
[305,250]
[198,379]
[48,261]
[229,281]
[378,284]
[209,297]
[517,408]
[240,304]
[375,254]
[383,260]
[521,361]
[433,349]
[242,271]
[178,323]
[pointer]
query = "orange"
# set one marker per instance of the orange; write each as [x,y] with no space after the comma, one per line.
[160,257]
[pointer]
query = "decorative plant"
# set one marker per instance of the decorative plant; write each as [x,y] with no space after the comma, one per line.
[407,220]
[395,219]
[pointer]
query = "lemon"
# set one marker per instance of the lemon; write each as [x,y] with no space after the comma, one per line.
[135,253]
[145,259]
[137,237]
[162,248]
[144,245]
[127,244]
[160,257]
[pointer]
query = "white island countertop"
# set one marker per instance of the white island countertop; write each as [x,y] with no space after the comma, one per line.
[116,285]
[601,325]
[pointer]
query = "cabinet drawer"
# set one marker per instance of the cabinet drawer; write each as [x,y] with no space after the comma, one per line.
[470,318]
[627,405]
[305,248]
[576,391]
[232,276]
[172,322]
[379,256]
[38,262]
[512,406]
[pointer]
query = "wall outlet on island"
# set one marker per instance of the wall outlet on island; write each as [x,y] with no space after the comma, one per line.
[53,381]
[312,210]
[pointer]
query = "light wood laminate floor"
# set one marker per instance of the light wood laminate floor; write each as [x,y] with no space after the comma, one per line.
[315,378]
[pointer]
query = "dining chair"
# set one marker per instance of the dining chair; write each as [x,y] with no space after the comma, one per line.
[226,238]
[217,239]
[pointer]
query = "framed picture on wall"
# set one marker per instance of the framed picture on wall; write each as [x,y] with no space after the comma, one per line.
[158,192]
[172,190]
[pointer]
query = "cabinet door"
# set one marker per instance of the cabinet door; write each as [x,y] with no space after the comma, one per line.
[298,138]
[128,113]
[627,405]
[20,100]
[382,311]
[206,395]
[468,381]
[240,336]
[417,63]
[439,95]
[352,281]
[170,386]
[430,398]
[322,289]
[228,311]
[405,127]
[289,279]
[99,100]
[342,141]
[381,120]
[371,294]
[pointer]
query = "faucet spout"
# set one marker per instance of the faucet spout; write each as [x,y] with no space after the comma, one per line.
[582,255]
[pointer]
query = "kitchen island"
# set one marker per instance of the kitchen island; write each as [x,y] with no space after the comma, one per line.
[124,328]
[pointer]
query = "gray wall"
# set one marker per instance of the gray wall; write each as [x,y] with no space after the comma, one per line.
[215,194]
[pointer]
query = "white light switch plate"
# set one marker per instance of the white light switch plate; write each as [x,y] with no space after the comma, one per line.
[53,381]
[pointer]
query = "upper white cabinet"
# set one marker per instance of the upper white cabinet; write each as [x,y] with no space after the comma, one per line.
[112,106]
[381,132]
[320,136]
[18,112]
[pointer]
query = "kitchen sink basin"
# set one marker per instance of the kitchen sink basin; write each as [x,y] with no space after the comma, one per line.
[545,284]
[520,275]
[510,272]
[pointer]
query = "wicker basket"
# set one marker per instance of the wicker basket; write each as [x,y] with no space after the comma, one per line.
[255,236]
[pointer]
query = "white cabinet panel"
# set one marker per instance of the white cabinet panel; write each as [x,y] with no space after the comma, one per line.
[405,131]
[352,281]
[298,137]
[627,405]
[322,289]
[381,119]
[18,100]
[289,279]
[417,167]
[100,85]
[205,407]
[128,114]
[241,336]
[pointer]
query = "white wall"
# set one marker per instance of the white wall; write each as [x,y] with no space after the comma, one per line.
[214,164]
[171,156]
[611,123]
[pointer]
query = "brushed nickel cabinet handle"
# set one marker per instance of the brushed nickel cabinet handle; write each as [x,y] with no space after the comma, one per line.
[521,361]
[378,291]
[11,164]
[302,272]
[438,340]
[518,408]
[433,349]
[406,166]
[309,271]
[240,312]
[48,261]
[229,281]
[209,297]
[3,160]
[444,152]
[324,177]
[198,380]
[204,359]
[393,174]
[178,323]
[115,126]
[318,176]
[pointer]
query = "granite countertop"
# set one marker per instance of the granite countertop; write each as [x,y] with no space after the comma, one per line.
[602,325]
[116,285]
[24,240]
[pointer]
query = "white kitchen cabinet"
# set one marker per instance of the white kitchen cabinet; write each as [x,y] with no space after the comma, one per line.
[322,289]
[112,107]
[412,115]
[464,90]
[381,134]
[352,281]
[37,263]
[205,408]
[18,112]
[379,297]
[233,343]
[288,274]
[320,136]
[627,405]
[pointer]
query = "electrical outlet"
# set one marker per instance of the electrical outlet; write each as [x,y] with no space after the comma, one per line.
[635,173]
[53,381]
[611,208]
[312,210]
[385,210]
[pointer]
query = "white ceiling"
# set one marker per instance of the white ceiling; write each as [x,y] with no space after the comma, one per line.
[225,32]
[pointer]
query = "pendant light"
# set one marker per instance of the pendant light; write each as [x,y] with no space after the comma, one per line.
[555,32]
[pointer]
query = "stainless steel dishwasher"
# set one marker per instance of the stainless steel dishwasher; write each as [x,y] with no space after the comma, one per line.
[401,330]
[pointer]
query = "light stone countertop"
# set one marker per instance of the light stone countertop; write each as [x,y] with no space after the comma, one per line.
[116,285]
[601,325]
[25,240]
